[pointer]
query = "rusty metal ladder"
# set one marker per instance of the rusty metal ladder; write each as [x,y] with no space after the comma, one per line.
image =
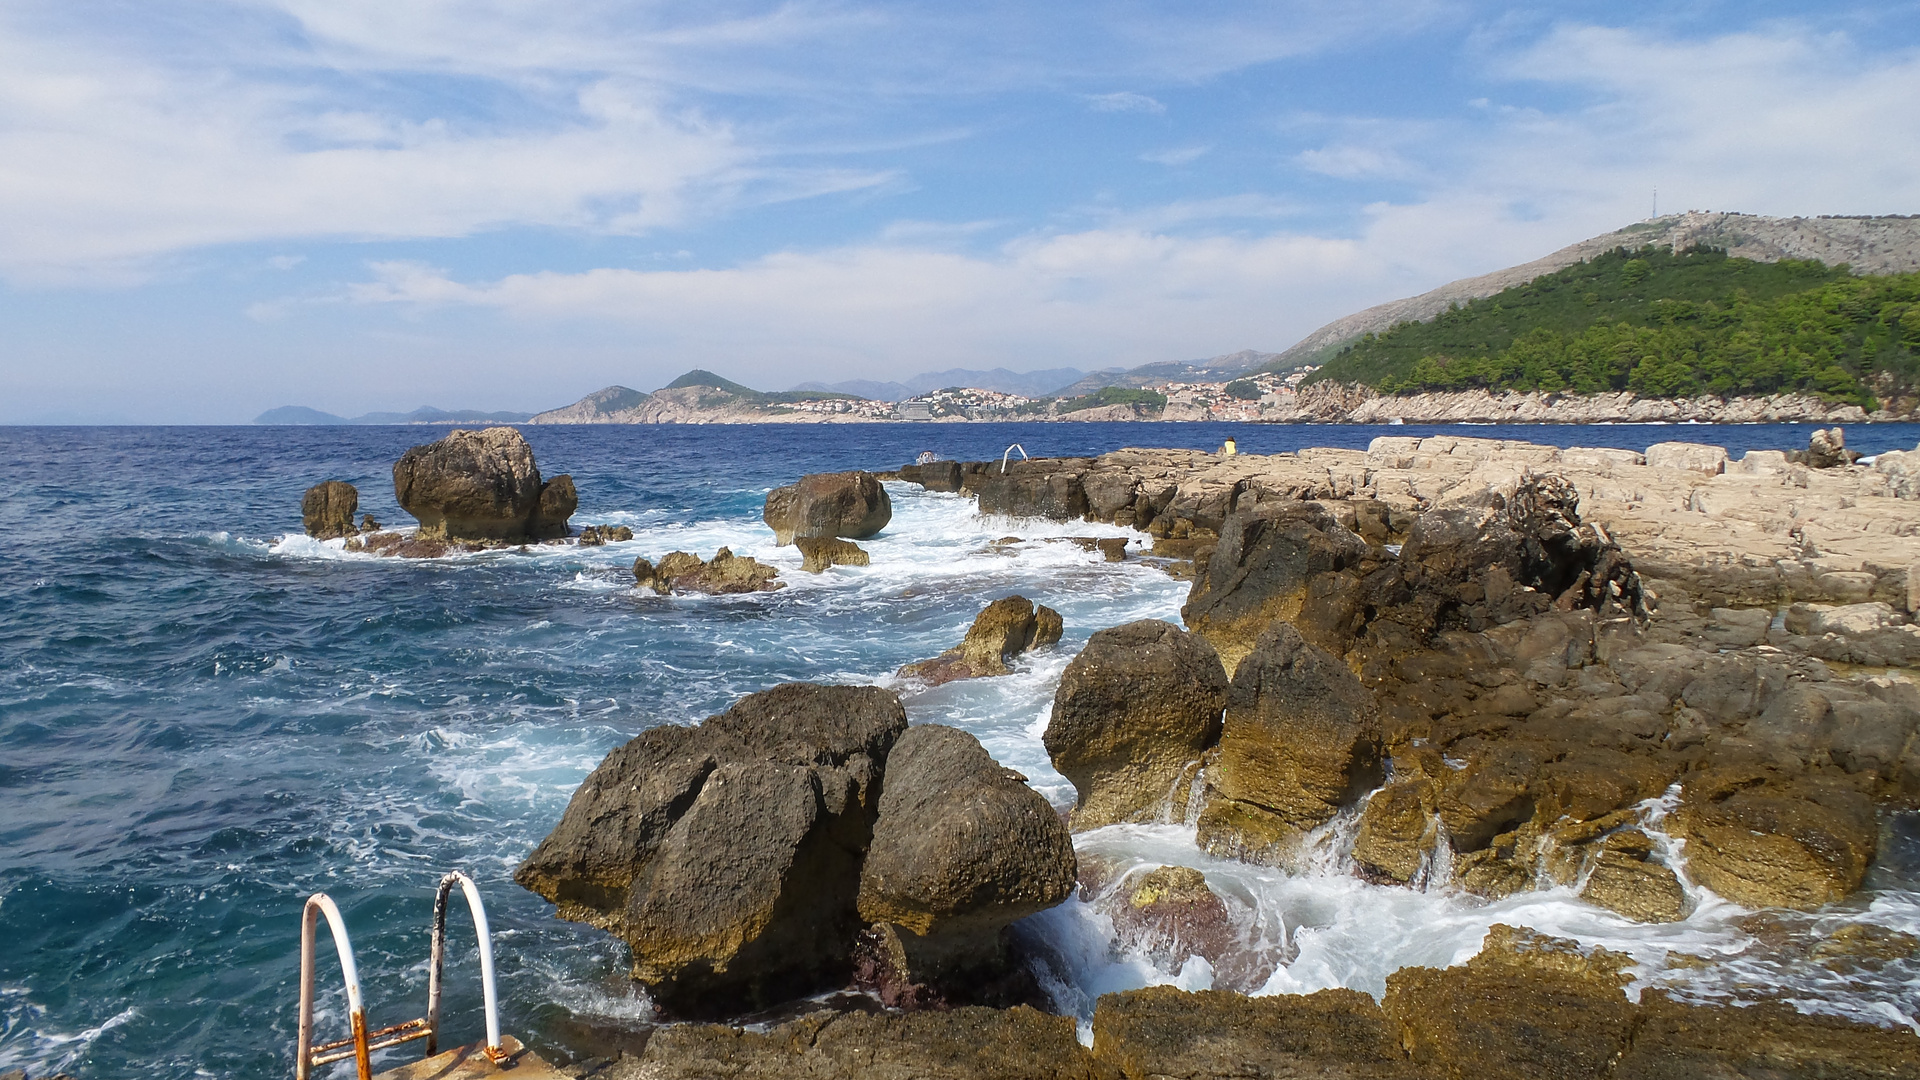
[361,1043]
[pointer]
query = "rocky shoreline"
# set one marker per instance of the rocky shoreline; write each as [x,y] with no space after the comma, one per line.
[1467,664]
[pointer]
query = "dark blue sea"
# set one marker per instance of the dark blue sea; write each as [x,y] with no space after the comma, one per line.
[205,716]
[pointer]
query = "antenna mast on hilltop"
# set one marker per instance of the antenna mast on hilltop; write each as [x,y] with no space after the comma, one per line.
[1656,202]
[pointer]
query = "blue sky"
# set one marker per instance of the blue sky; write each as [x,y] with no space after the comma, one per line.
[211,208]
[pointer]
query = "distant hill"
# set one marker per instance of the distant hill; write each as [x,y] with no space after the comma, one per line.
[1661,323]
[702,397]
[1867,245]
[1026,383]
[300,414]
[1212,369]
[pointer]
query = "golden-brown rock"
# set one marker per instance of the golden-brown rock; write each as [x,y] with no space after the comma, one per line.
[1133,715]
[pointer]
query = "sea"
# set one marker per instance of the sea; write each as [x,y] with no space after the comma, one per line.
[206,716]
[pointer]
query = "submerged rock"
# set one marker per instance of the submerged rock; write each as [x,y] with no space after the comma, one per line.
[1172,912]
[853,505]
[961,850]
[327,509]
[481,485]
[820,552]
[1134,713]
[1003,630]
[727,855]
[683,572]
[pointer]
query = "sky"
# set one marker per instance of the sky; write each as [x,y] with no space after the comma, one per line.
[209,208]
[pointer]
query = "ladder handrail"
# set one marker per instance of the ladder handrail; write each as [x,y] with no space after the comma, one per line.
[360,1044]
[321,904]
[489,996]
[1009,452]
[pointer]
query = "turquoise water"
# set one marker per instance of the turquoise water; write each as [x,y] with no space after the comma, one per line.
[204,716]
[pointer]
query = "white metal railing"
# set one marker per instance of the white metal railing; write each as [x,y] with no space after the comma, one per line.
[361,1043]
[1009,451]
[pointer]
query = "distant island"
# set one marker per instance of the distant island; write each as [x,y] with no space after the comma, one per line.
[300,414]
[1711,317]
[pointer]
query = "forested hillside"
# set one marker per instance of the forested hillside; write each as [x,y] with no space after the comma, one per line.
[1662,325]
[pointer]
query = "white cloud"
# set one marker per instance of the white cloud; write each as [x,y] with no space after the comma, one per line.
[1090,298]
[1123,101]
[1350,162]
[1182,155]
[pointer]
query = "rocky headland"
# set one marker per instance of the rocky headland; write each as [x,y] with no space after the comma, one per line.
[1440,663]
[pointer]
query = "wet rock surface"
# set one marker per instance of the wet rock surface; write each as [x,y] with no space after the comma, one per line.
[960,1044]
[681,572]
[1003,630]
[962,849]
[481,485]
[600,535]
[1301,741]
[326,510]
[853,505]
[818,553]
[1526,1007]
[1558,640]
[1135,712]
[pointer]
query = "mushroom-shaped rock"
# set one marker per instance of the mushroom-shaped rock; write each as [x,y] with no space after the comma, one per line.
[1135,712]
[727,855]
[848,504]
[962,849]
[1003,630]
[478,485]
[1301,741]
[327,509]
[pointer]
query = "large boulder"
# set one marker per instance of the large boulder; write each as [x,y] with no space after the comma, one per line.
[1766,840]
[853,505]
[1043,488]
[962,849]
[727,855]
[481,485]
[1260,571]
[1003,630]
[1301,742]
[327,509]
[1134,714]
